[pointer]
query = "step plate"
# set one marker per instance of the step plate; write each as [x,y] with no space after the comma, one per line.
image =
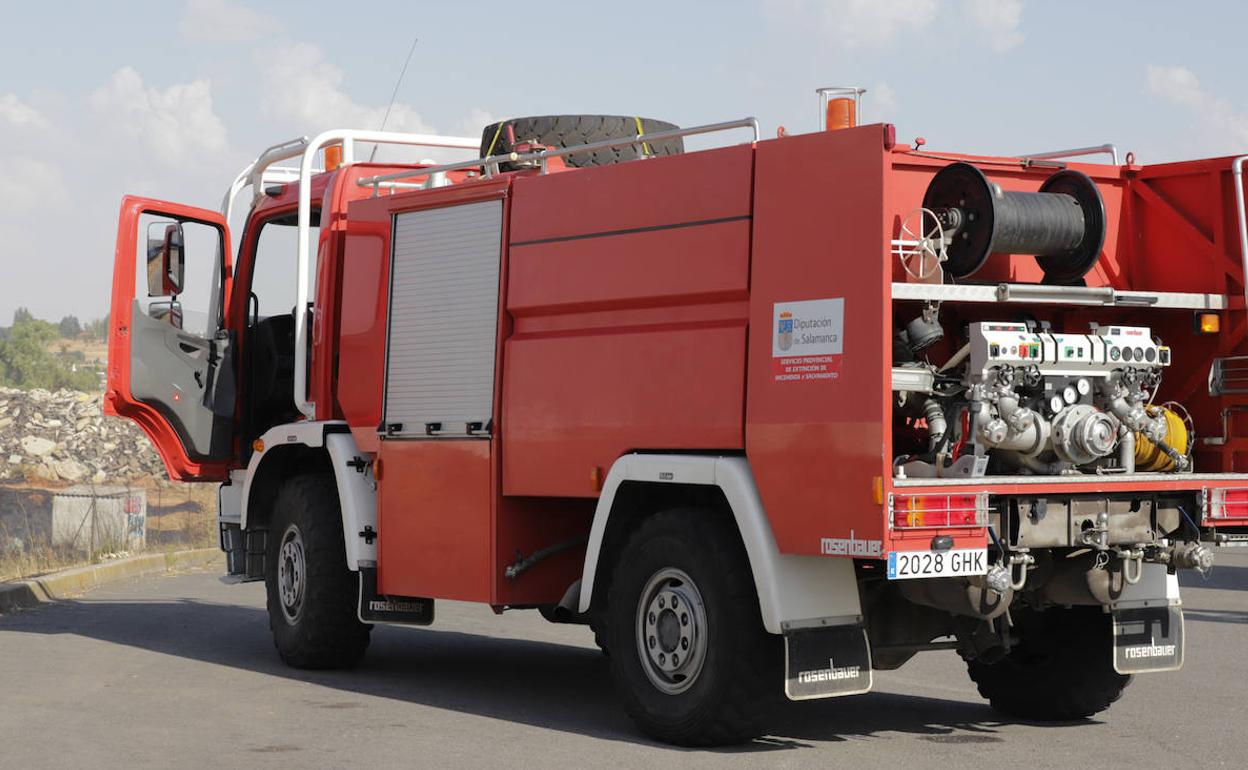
[384,608]
[826,662]
[1148,639]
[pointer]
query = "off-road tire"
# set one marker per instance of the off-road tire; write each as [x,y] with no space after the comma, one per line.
[568,130]
[1061,670]
[327,633]
[741,678]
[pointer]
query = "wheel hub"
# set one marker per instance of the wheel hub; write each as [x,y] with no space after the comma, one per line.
[671,630]
[291,574]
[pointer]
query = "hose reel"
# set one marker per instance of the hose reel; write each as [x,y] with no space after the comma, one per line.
[1063,224]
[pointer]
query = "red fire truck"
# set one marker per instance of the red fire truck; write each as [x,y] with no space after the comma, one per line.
[767,416]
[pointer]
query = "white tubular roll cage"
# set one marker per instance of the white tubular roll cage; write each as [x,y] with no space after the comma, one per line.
[262,171]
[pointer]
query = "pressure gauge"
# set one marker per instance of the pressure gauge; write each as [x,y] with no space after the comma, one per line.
[1056,403]
[1083,386]
[1069,394]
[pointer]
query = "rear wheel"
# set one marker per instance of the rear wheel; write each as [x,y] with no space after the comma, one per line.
[312,594]
[1061,669]
[689,654]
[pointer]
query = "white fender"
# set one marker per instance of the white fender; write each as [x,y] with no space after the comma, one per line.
[790,588]
[357,491]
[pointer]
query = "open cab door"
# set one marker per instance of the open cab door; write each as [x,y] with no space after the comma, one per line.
[170,356]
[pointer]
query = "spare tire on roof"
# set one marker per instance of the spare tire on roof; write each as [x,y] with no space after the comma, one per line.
[569,130]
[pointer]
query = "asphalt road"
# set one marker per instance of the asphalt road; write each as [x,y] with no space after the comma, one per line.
[179,671]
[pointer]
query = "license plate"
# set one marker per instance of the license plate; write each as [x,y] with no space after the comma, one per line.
[903,565]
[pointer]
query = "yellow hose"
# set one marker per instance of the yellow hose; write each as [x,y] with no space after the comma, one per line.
[1149,456]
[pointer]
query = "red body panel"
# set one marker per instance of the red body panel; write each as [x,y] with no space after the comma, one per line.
[435,510]
[627,287]
[817,446]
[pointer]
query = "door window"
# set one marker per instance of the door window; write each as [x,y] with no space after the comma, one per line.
[178,272]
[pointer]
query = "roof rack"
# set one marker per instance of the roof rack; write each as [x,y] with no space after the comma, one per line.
[491,164]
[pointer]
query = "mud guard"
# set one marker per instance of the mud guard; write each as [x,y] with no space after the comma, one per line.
[826,662]
[1148,624]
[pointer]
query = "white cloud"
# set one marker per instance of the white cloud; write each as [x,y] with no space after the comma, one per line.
[301,87]
[16,113]
[28,185]
[176,124]
[881,98]
[221,21]
[878,23]
[1219,127]
[998,19]
[861,23]
[475,122]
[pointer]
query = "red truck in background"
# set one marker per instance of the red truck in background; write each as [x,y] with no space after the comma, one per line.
[766,417]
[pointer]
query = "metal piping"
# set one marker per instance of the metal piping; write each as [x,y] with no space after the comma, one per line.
[1237,173]
[254,171]
[1108,149]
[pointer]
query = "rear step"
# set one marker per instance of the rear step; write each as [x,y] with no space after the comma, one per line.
[386,608]
[1228,540]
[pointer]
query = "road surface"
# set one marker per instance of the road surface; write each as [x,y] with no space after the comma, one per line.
[179,671]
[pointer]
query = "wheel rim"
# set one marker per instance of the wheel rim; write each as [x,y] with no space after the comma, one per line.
[671,631]
[291,574]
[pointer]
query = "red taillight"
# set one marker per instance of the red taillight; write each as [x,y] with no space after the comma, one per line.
[1228,504]
[937,511]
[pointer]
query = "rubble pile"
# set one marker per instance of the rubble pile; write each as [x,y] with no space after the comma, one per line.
[65,436]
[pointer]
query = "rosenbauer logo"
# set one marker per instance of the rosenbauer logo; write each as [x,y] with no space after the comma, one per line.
[807,340]
[830,674]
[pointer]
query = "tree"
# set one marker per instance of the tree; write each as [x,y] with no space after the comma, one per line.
[69,327]
[97,328]
[25,361]
[21,315]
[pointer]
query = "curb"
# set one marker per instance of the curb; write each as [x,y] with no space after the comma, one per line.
[59,585]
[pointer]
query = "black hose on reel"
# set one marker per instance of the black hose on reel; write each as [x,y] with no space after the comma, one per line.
[1063,224]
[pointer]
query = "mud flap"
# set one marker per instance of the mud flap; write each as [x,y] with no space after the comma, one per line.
[1148,639]
[1148,624]
[826,661]
[384,608]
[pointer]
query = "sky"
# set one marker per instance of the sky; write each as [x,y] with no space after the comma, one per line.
[171,98]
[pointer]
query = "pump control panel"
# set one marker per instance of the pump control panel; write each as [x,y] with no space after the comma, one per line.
[1096,354]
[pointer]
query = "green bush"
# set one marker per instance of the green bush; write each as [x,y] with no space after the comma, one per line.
[26,362]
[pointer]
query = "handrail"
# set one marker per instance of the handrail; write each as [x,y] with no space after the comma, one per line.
[348,138]
[1237,176]
[492,163]
[253,173]
[1108,149]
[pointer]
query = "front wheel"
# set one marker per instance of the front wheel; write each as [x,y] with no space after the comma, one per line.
[1061,669]
[312,594]
[690,656]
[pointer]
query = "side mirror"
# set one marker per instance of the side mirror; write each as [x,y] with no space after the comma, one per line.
[165,264]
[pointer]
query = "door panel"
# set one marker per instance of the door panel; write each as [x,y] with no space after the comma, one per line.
[170,354]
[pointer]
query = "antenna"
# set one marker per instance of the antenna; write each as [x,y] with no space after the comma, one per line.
[394,95]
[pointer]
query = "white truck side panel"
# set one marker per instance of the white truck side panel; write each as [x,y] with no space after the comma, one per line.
[791,589]
[357,492]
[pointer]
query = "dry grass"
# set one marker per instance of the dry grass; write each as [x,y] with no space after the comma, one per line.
[179,516]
